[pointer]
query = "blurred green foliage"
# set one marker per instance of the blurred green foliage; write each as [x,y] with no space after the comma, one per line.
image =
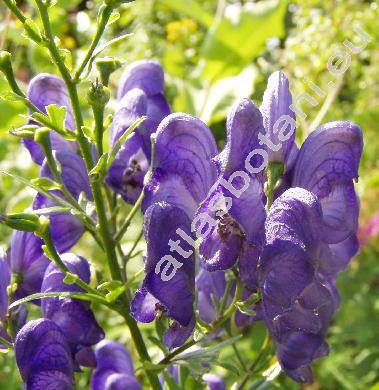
[215,52]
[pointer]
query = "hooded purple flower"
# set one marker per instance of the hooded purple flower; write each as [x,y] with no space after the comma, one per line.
[327,164]
[43,90]
[235,204]
[66,229]
[183,173]
[74,317]
[114,369]
[43,356]
[140,94]
[279,121]
[297,301]
[28,261]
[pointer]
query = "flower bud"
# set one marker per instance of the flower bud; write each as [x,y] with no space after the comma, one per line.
[98,95]
[26,222]
[6,68]
[26,131]
[106,66]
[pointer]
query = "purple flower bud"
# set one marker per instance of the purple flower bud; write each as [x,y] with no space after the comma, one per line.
[43,356]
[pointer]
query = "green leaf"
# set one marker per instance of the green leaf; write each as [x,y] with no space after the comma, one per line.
[109,285]
[45,183]
[98,172]
[191,9]
[205,353]
[229,47]
[115,15]
[114,294]
[65,294]
[70,278]
[230,367]
[149,366]
[57,115]
[225,92]
[32,31]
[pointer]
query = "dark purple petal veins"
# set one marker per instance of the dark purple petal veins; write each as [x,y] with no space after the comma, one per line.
[182,172]
[327,163]
[131,107]
[43,356]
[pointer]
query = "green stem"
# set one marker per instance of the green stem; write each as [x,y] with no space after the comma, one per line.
[129,218]
[13,7]
[102,22]
[99,129]
[6,343]
[129,254]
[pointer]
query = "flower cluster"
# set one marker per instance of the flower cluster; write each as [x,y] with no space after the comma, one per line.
[215,208]
[282,219]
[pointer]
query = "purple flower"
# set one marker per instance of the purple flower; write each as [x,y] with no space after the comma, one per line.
[5,279]
[66,229]
[140,94]
[236,202]
[279,121]
[43,90]
[28,261]
[43,356]
[210,285]
[327,164]
[74,317]
[114,369]
[174,296]
[214,382]
[297,301]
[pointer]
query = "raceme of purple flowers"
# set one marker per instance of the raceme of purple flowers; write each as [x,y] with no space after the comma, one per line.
[205,211]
